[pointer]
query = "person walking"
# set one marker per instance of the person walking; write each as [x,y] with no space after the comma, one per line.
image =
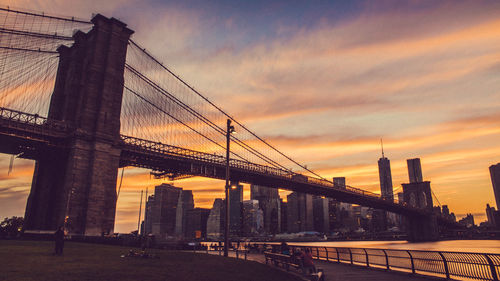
[59,239]
[307,262]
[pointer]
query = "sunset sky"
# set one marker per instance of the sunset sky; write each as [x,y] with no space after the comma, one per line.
[324,81]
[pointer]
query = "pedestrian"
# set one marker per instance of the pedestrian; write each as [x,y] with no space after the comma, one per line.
[307,262]
[59,239]
[285,250]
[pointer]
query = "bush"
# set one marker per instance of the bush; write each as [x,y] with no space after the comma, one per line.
[11,227]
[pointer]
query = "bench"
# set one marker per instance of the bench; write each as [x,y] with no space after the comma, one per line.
[286,261]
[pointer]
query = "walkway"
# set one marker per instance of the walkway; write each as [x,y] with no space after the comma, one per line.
[345,272]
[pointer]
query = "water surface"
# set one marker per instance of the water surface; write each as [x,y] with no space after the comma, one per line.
[476,246]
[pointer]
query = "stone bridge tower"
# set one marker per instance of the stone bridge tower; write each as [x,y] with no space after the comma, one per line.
[76,185]
[420,228]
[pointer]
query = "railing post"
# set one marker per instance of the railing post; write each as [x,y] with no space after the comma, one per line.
[326,251]
[445,265]
[492,268]
[237,255]
[367,261]
[386,259]
[338,255]
[412,263]
[317,253]
[246,254]
[350,255]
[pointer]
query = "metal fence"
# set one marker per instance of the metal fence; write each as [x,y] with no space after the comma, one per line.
[238,253]
[445,264]
[456,265]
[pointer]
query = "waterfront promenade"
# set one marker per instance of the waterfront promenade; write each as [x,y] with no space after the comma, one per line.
[341,272]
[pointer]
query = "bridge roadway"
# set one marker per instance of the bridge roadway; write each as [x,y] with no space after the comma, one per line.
[29,135]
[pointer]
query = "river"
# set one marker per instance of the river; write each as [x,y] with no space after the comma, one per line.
[476,246]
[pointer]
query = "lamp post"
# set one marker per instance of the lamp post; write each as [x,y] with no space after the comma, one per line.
[230,129]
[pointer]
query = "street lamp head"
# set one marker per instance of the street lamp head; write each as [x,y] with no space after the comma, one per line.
[231,130]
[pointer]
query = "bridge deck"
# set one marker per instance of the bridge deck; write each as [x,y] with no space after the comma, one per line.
[22,131]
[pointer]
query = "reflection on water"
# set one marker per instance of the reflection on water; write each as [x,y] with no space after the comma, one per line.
[476,246]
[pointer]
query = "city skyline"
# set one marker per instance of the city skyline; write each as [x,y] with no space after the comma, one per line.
[343,74]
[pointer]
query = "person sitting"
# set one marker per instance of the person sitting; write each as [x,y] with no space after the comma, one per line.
[296,256]
[285,250]
[307,262]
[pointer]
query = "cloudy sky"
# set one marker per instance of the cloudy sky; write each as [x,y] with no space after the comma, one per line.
[324,81]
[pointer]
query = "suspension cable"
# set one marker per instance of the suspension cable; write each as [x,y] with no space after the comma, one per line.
[223,112]
[203,118]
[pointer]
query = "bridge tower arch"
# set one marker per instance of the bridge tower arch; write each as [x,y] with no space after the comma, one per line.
[76,185]
[420,227]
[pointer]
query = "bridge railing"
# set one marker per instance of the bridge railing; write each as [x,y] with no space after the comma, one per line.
[31,122]
[456,265]
[158,147]
[22,117]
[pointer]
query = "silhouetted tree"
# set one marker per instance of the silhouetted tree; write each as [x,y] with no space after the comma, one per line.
[10,227]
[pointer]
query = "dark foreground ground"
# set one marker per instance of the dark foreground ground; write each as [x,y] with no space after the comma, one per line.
[33,260]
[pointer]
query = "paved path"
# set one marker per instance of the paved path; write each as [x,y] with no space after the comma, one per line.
[345,272]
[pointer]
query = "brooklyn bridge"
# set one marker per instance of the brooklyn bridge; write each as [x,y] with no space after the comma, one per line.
[83,99]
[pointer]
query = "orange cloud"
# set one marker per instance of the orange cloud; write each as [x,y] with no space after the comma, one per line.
[325,94]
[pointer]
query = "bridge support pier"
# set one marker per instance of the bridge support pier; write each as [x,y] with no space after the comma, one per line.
[423,228]
[45,206]
[77,186]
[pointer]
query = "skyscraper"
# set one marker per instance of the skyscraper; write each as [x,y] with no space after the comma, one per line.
[333,214]
[215,222]
[196,223]
[334,207]
[283,216]
[467,221]
[235,208]
[184,204]
[401,197]
[495,180]
[384,172]
[414,170]
[492,215]
[339,182]
[299,212]
[445,211]
[400,219]
[164,208]
[321,214]
[252,218]
[269,203]
[148,215]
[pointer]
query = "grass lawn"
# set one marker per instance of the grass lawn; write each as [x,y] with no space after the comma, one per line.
[33,260]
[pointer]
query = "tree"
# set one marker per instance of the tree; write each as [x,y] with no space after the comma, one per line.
[10,227]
